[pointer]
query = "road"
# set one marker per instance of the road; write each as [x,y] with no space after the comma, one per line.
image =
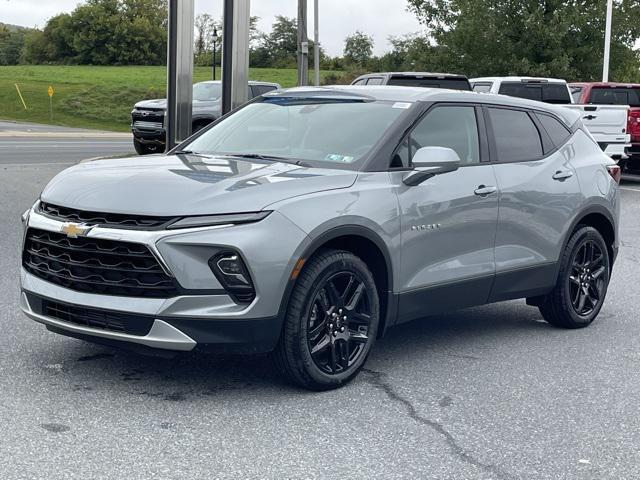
[483,393]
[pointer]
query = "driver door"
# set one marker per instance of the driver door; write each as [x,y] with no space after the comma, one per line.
[449,221]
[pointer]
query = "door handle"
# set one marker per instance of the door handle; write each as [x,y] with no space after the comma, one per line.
[590,117]
[483,190]
[562,175]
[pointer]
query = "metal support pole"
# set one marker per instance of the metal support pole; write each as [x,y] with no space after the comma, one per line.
[227,55]
[214,60]
[316,43]
[235,54]
[179,72]
[303,44]
[607,42]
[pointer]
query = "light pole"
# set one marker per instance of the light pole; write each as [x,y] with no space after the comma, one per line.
[607,42]
[215,42]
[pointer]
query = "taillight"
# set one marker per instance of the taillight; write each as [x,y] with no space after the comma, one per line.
[615,172]
[633,125]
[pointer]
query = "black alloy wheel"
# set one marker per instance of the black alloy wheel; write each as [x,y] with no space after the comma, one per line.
[331,321]
[338,322]
[582,282]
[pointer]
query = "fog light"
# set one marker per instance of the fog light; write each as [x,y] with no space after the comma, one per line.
[232,273]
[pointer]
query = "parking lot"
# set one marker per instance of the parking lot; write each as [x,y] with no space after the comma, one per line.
[489,393]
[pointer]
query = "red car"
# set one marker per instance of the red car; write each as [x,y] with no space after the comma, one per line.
[616,94]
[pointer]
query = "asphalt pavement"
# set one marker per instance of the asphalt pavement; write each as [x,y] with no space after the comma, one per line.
[484,393]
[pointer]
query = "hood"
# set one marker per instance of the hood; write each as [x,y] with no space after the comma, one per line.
[153,104]
[175,185]
[198,105]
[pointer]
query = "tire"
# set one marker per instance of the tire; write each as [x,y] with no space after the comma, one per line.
[143,149]
[582,282]
[327,333]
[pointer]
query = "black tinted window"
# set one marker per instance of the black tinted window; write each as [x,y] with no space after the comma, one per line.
[451,83]
[451,127]
[262,89]
[557,93]
[556,129]
[517,137]
[615,96]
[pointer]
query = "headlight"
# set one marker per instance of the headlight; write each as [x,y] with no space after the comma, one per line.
[212,220]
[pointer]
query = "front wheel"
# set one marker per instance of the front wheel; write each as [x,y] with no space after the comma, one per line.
[582,281]
[331,322]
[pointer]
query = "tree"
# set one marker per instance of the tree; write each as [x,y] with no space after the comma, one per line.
[559,38]
[358,48]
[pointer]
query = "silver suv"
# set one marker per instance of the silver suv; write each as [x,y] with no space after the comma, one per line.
[312,220]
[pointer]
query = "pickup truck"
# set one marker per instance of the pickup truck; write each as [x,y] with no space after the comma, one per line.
[147,116]
[608,126]
[627,94]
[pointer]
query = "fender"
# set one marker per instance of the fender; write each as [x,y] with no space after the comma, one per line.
[319,239]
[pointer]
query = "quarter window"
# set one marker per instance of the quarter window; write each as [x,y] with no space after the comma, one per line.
[555,129]
[375,81]
[516,136]
[451,127]
[482,87]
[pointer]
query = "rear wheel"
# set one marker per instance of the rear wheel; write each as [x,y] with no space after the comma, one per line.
[331,322]
[582,282]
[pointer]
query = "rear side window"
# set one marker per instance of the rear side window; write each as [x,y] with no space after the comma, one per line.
[556,130]
[576,93]
[451,127]
[482,87]
[375,81]
[262,89]
[362,81]
[516,136]
[615,96]
[431,82]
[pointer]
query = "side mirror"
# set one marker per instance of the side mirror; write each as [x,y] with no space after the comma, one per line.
[430,161]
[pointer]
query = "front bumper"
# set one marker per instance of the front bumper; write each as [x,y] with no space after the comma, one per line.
[210,318]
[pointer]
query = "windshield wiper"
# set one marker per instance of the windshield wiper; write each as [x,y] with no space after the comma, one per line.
[188,152]
[259,156]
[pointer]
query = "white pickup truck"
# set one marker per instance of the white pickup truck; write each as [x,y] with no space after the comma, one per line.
[608,126]
[606,123]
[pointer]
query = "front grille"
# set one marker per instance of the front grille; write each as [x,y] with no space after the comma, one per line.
[148,125]
[99,266]
[115,220]
[131,324]
[149,115]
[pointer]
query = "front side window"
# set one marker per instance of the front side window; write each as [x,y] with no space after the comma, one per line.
[375,81]
[451,127]
[331,131]
[516,136]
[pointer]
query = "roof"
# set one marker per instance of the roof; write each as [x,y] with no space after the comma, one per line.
[517,79]
[422,94]
[251,82]
[415,74]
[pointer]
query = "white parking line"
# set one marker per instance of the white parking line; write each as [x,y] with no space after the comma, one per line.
[25,164]
[630,189]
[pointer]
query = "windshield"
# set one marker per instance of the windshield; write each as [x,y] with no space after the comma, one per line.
[333,132]
[207,91]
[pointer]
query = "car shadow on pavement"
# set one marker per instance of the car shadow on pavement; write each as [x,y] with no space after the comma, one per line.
[459,335]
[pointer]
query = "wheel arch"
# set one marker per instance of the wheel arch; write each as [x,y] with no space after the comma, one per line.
[600,218]
[371,248]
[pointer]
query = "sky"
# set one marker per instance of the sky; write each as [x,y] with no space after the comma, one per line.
[338,18]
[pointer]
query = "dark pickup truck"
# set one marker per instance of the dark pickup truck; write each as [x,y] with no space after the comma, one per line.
[148,116]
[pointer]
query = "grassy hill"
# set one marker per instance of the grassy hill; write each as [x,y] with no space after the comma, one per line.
[96,97]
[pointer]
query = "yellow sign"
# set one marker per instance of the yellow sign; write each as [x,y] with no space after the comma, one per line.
[50,91]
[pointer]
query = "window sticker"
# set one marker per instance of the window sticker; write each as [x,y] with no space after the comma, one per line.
[403,105]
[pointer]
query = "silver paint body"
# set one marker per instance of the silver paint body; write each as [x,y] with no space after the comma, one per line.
[523,224]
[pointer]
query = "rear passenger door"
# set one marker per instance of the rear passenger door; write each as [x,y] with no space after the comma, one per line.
[448,221]
[538,193]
